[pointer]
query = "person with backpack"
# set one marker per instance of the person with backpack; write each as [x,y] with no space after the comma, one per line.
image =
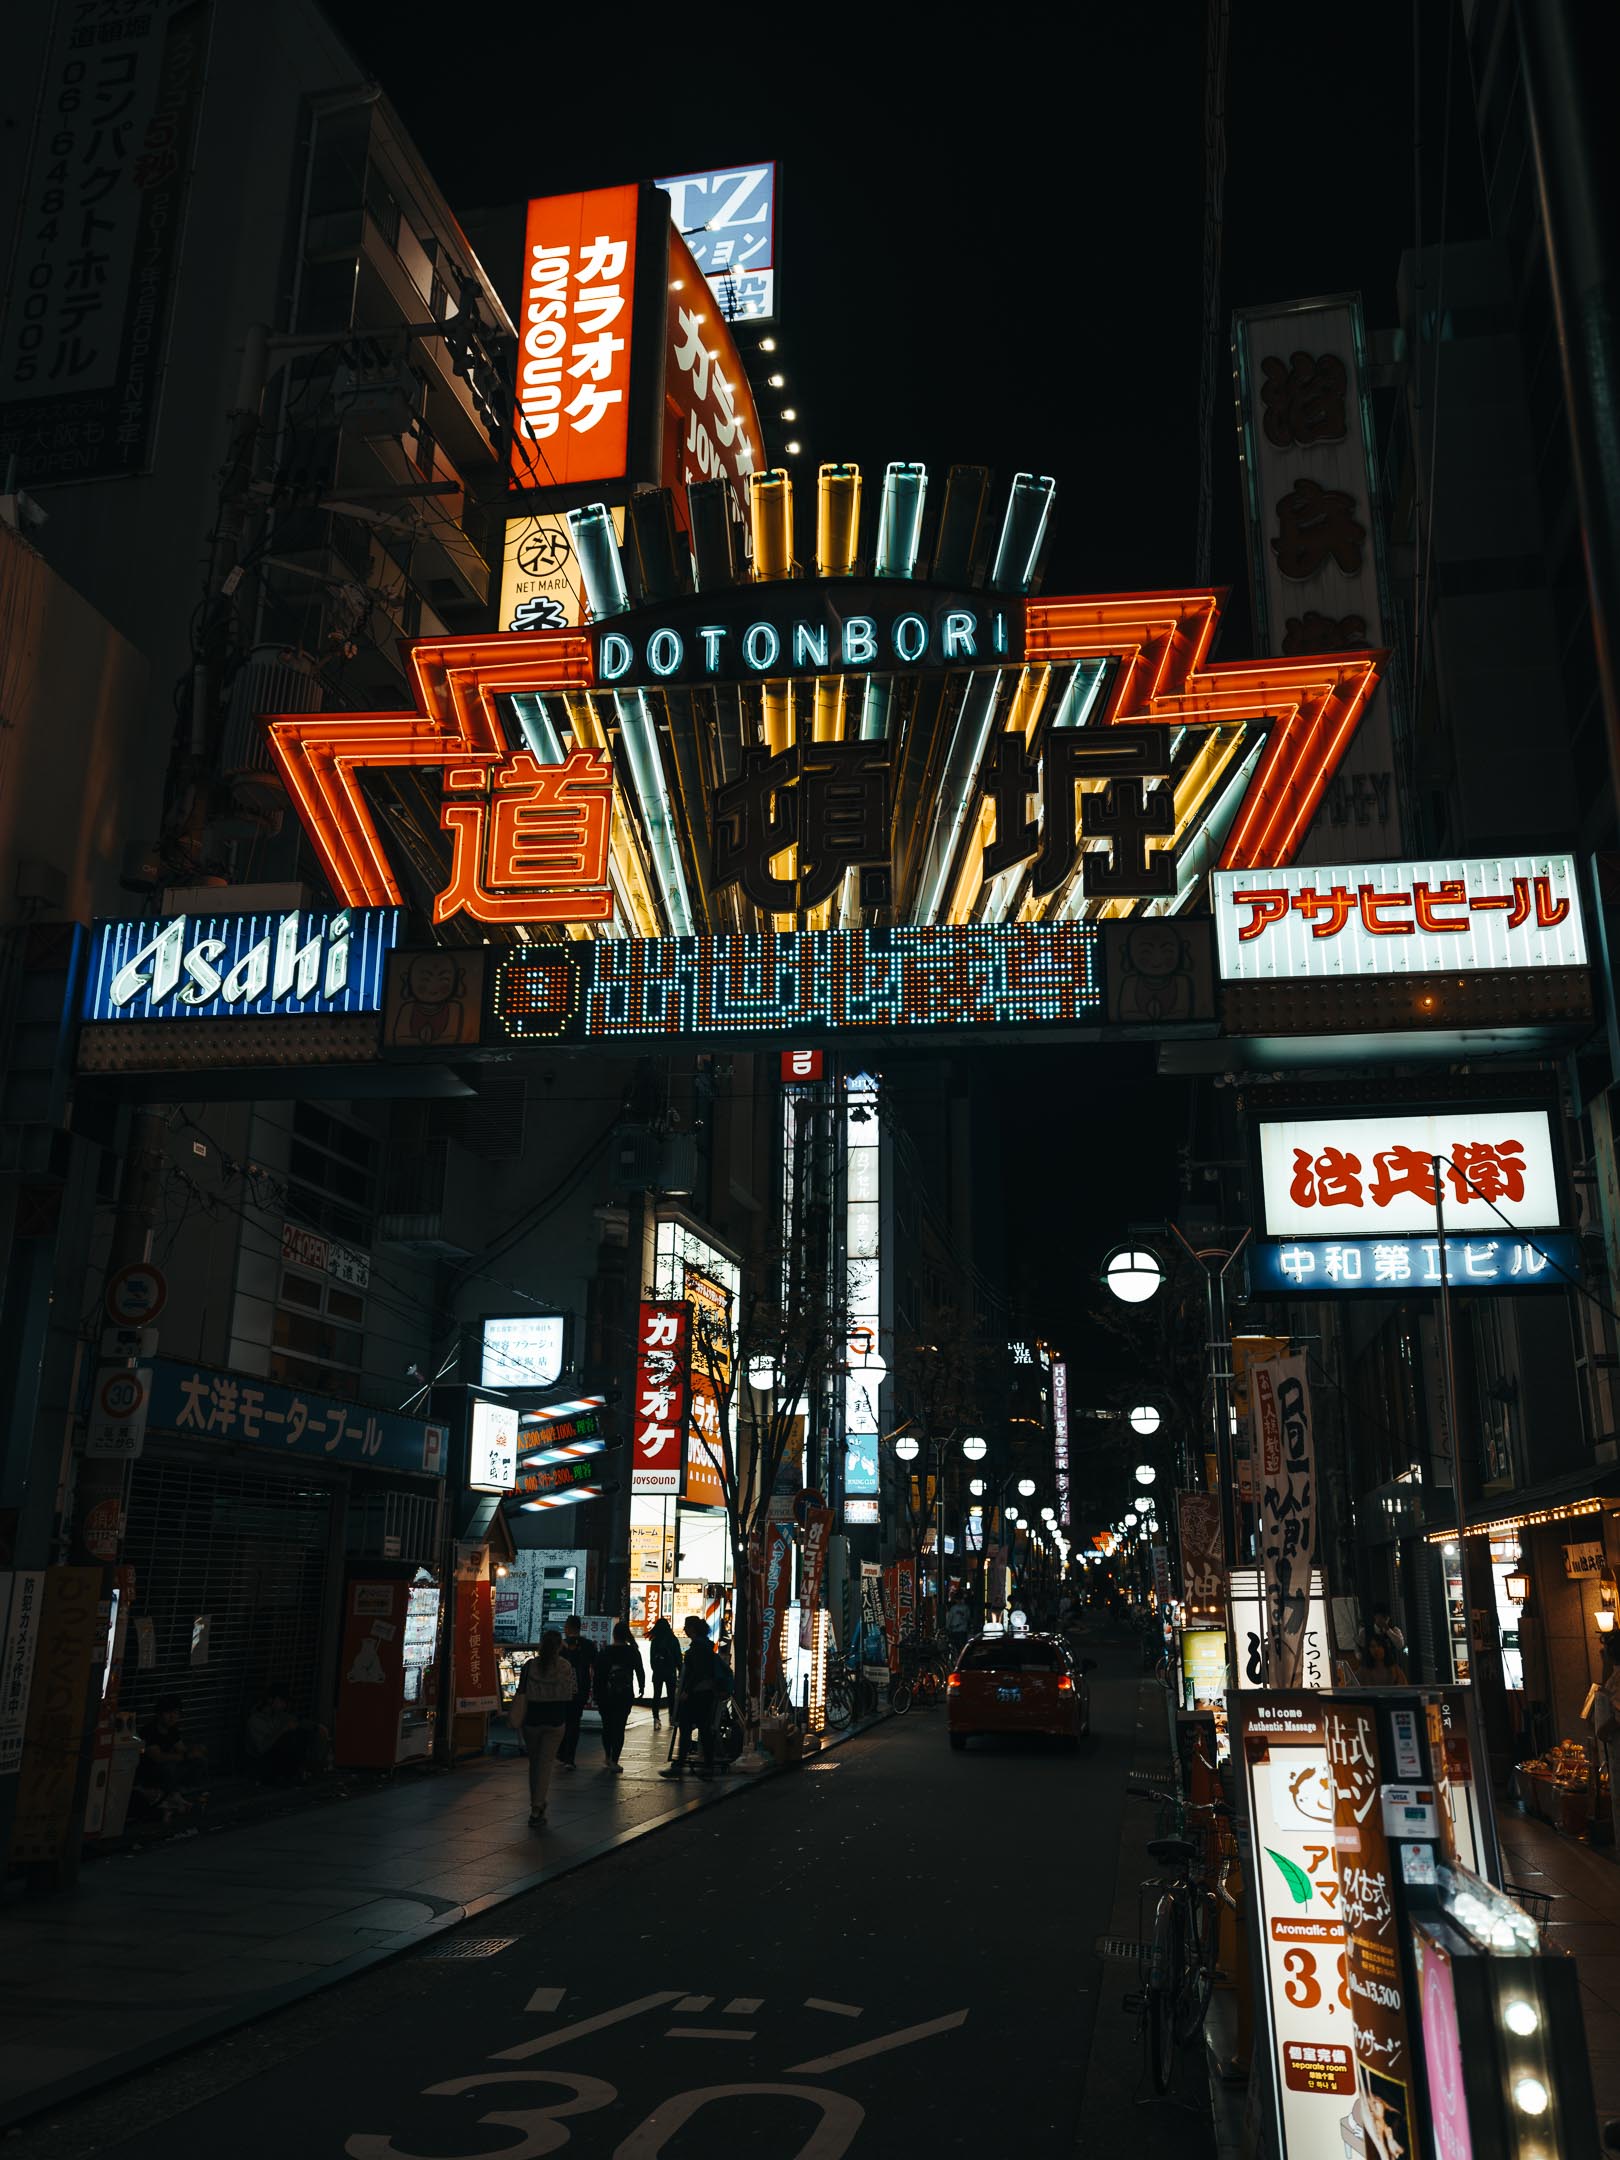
[620,1678]
[695,1706]
[664,1653]
[540,1709]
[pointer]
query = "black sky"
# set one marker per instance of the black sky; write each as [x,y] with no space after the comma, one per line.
[991,247]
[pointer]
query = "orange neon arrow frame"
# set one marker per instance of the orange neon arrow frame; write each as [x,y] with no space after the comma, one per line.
[1160,640]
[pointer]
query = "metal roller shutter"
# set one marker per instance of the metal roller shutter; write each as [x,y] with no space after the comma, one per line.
[246,1549]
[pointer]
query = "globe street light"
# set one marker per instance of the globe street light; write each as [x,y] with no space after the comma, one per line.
[976,1487]
[1026,1488]
[1145,1419]
[1133,1274]
[1130,1520]
[1145,1473]
[908,1448]
[974,1448]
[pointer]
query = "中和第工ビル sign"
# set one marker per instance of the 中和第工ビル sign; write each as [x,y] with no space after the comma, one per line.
[1397,1266]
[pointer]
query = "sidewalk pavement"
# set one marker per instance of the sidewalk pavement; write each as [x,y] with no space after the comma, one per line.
[1585,1889]
[158,1949]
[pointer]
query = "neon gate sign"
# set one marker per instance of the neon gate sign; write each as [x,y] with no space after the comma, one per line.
[754,634]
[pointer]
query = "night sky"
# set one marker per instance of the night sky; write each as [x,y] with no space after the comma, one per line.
[991,244]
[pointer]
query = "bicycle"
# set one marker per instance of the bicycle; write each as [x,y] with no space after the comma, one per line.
[922,1672]
[1176,1964]
[849,1694]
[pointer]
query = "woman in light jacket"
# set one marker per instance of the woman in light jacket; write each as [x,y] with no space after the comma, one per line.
[540,1711]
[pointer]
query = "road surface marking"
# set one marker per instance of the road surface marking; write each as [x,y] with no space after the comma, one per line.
[743,2005]
[708,2032]
[546,1999]
[694,2002]
[814,2002]
[582,2026]
[882,2046]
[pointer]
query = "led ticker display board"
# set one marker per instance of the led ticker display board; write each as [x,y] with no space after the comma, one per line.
[237,967]
[963,977]
[756,632]
[1398,918]
[1349,1176]
[1398,1266]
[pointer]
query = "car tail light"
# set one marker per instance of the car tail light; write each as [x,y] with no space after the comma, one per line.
[953,1679]
[1065,1684]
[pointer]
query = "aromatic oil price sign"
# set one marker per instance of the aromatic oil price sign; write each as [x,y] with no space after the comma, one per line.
[1300,1953]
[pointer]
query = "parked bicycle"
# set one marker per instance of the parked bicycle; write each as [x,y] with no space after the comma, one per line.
[850,1694]
[923,1669]
[1176,1959]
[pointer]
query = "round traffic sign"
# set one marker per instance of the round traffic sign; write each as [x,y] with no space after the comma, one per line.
[122,1392]
[136,1294]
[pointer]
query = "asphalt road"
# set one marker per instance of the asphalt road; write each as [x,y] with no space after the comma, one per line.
[890,1954]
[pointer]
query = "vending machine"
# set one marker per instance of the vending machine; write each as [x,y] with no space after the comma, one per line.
[388,1674]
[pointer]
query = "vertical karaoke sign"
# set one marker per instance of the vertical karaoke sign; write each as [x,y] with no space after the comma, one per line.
[662,1405]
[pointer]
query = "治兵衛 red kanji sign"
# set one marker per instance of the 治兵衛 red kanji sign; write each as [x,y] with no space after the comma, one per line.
[1337,1176]
[660,1407]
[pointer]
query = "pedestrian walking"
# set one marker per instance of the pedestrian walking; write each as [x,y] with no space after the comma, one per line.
[664,1655]
[580,1653]
[620,1678]
[695,1705]
[1605,1716]
[540,1708]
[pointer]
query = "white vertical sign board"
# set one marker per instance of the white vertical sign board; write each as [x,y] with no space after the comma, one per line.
[1294,1879]
[1315,539]
[1249,1633]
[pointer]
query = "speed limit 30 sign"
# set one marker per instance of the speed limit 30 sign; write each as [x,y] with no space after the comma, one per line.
[117,1424]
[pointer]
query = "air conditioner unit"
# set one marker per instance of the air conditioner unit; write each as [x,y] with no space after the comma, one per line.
[272,679]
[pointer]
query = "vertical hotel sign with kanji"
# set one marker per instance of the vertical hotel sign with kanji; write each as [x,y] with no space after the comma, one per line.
[662,1403]
[574,339]
[1314,537]
[99,228]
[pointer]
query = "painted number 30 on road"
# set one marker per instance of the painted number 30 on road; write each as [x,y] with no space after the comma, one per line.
[573,2094]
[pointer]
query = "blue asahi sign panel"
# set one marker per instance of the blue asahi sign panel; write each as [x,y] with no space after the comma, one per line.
[217,967]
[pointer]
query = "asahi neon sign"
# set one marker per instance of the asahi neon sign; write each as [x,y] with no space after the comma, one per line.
[229,966]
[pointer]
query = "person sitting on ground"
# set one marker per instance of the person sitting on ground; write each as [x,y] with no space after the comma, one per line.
[284,1748]
[168,1761]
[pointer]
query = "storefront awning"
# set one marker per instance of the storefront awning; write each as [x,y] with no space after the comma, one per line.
[1581,1492]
